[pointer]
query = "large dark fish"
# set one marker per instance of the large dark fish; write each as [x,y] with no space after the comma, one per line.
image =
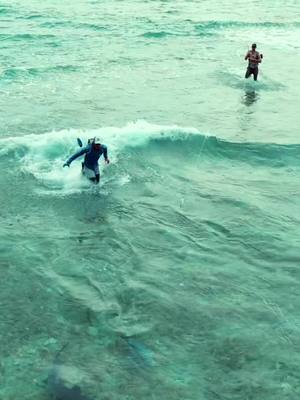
[58,388]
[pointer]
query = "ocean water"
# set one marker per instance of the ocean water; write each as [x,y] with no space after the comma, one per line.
[176,278]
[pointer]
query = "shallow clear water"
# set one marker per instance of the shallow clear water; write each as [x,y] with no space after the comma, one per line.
[178,277]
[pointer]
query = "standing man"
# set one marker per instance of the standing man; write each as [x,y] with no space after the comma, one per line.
[254,58]
[92,152]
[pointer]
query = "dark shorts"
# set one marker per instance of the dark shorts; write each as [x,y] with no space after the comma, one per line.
[250,71]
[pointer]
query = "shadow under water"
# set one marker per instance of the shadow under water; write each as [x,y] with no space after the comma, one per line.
[250,97]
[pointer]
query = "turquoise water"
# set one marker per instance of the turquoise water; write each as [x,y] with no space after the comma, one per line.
[178,277]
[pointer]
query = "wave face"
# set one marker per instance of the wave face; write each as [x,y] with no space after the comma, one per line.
[42,155]
[177,277]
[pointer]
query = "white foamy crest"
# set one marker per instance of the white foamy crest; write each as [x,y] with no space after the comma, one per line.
[43,155]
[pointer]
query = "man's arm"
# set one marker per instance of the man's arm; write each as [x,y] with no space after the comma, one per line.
[76,155]
[247,55]
[258,57]
[105,153]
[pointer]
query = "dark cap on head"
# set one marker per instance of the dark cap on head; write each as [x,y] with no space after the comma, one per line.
[253,45]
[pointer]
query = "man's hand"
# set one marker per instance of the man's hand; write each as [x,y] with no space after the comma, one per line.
[107,161]
[66,164]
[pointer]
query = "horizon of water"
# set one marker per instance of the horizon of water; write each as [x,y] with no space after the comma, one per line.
[177,277]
